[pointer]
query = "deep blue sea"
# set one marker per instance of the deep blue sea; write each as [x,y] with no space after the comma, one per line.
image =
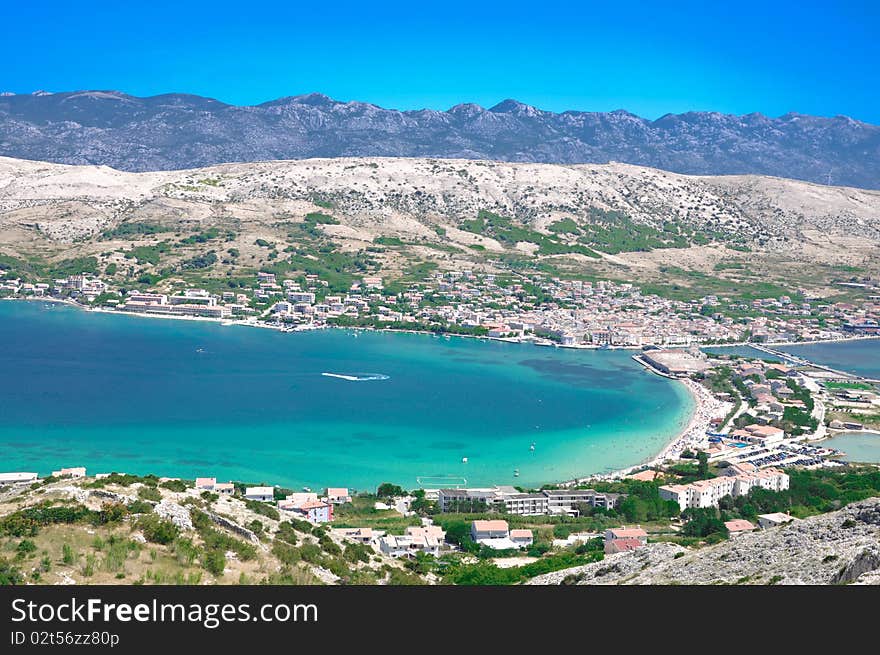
[188,398]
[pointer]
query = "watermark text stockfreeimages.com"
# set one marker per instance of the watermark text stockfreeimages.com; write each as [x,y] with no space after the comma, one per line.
[208,615]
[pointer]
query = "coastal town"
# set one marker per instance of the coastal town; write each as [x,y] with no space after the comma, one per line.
[761,419]
[516,307]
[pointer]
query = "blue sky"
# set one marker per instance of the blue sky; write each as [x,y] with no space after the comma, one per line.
[648,58]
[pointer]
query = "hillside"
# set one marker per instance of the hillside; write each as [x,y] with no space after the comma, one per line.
[179,131]
[841,547]
[137,530]
[400,217]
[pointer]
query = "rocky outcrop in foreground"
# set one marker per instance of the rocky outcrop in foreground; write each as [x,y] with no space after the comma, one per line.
[841,547]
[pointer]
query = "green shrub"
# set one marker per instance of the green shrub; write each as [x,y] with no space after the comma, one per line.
[174,485]
[357,553]
[329,545]
[286,533]
[285,553]
[25,547]
[157,530]
[215,562]
[140,507]
[67,554]
[185,551]
[9,574]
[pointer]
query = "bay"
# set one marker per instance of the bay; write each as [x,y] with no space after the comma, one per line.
[193,398]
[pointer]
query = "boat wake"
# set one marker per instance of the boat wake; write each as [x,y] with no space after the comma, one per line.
[361,377]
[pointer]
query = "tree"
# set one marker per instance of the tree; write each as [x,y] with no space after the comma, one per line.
[703,464]
[388,490]
[703,522]
[422,505]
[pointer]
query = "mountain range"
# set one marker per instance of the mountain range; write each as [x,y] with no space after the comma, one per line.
[179,131]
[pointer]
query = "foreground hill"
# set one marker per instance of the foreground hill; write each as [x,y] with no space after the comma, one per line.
[841,547]
[177,131]
[394,216]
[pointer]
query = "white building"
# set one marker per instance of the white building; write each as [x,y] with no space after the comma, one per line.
[773,520]
[365,536]
[262,494]
[707,493]
[74,472]
[338,495]
[18,478]
[315,511]
[211,484]
[425,539]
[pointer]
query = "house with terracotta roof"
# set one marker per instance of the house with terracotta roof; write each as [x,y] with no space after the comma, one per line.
[522,538]
[316,511]
[211,484]
[495,529]
[622,545]
[338,495]
[739,526]
[624,533]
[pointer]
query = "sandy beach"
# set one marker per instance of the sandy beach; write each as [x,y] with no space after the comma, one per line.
[706,408]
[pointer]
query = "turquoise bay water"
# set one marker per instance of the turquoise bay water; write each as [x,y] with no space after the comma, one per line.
[186,398]
[858,446]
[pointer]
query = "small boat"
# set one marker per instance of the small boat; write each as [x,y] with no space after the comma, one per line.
[307,489]
[464,460]
[532,447]
[516,473]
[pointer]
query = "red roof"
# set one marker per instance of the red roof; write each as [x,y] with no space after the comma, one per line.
[312,504]
[626,544]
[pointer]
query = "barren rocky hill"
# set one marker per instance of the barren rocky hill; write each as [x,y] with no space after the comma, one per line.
[431,208]
[178,131]
[385,194]
[841,547]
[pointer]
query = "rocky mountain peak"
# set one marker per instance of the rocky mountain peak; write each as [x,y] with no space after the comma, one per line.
[180,131]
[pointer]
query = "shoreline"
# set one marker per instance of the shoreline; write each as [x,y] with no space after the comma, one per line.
[535,342]
[706,406]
